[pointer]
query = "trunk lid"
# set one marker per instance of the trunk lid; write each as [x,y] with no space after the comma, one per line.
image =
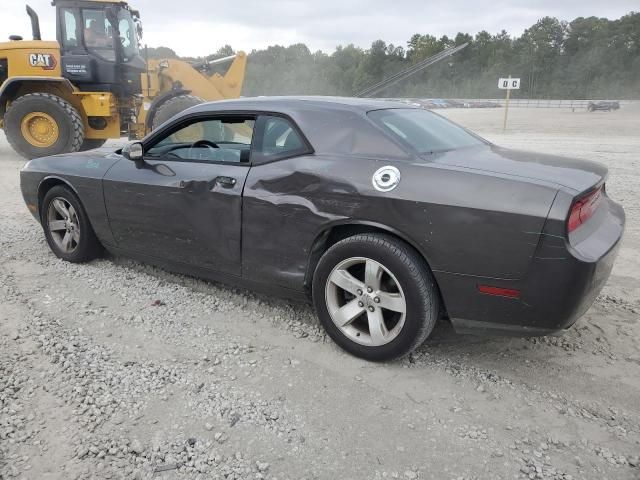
[576,175]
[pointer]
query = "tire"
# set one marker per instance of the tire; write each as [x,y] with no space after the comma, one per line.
[92,143]
[174,106]
[404,275]
[64,130]
[86,245]
[591,108]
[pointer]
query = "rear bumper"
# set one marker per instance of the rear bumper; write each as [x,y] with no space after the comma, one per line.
[563,281]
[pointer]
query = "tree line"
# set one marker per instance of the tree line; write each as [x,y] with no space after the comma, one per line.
[585,58]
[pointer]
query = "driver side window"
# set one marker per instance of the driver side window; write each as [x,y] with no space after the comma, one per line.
[212,140]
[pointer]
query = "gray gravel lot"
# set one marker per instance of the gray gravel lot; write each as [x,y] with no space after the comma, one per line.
[117,370]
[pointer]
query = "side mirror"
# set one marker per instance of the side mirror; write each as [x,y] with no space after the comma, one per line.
[133,151]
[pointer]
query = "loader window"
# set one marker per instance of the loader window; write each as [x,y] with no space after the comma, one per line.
[70,28]
[98,33]
[128,34]
[213,140]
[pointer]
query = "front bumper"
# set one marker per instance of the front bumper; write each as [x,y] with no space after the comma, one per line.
[29,182]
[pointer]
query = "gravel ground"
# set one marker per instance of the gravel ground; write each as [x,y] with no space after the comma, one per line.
[118,370]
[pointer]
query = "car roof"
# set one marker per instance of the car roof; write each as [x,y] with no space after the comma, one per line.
[284,104]
[332,125]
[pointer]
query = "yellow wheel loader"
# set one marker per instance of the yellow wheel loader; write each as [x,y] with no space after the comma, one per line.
[93,84]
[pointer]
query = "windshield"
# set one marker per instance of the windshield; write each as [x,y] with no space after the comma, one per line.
[424,131]
[99,33]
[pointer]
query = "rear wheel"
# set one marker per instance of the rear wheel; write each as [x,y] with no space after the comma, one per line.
[375,296]
[41,124]
[67,227]
[173,107]
[92,143]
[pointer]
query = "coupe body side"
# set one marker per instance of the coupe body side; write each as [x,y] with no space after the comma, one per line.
[385,216]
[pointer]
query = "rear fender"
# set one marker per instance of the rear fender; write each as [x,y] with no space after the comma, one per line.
[318,246]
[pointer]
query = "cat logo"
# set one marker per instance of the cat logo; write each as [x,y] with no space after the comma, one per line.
[46,61]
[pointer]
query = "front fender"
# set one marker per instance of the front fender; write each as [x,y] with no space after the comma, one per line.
[82,173]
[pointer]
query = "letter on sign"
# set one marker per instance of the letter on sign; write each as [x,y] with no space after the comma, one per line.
[509,84]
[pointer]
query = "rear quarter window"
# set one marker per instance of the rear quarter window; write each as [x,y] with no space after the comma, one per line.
[278,138]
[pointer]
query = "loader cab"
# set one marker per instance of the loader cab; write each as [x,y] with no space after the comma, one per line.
[99,45]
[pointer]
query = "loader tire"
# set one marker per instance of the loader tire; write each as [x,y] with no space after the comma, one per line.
[92,143]
[42,124]
[174,106]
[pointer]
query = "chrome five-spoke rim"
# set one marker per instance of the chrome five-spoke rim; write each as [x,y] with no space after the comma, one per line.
[63,223]
[366,301]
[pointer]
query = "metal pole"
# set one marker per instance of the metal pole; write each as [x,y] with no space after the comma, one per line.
[506,106]
[146,60]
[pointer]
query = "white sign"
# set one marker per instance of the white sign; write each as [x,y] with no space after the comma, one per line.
[509,84]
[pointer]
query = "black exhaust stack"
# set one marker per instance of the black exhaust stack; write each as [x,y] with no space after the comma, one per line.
[35,23]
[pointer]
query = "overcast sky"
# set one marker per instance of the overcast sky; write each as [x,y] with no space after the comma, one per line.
[200,27]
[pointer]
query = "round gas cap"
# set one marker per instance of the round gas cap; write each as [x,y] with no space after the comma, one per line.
[386,178]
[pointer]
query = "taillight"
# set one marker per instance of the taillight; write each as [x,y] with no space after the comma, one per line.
[584,208]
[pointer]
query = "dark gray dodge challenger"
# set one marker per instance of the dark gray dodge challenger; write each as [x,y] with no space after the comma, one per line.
[387,216]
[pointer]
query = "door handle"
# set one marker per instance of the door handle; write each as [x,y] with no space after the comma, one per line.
[226,182]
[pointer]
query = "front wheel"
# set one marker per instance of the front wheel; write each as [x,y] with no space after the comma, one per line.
[375,296]
[67,227]
[42,124]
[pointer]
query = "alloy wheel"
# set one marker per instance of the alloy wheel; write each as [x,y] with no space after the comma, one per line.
[366,301]
[63,224]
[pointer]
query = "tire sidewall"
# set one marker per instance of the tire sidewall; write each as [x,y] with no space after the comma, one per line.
[41,103]
[419,309]
[87,246]
[173,107]
[92,144]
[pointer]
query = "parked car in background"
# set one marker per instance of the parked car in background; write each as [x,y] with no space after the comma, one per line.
[383,214]
[605,105]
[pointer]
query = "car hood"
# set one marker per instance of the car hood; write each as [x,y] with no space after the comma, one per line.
[573,174]
[91,164]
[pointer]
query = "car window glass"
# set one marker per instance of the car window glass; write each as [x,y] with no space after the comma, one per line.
[213,140]
[425,131]
[280,139]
